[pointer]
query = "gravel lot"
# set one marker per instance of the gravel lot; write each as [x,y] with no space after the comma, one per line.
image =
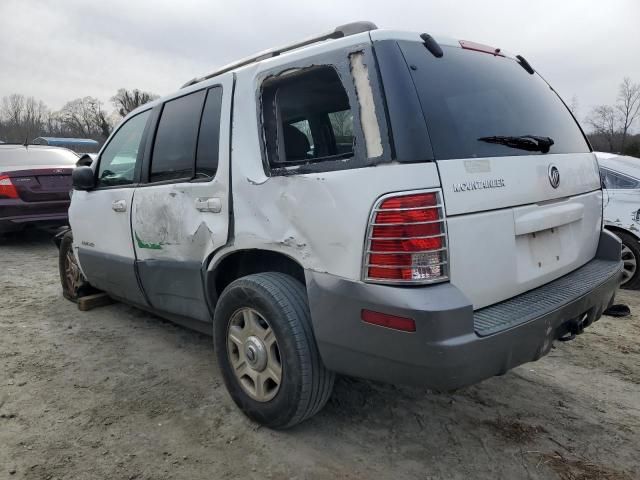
[117,393]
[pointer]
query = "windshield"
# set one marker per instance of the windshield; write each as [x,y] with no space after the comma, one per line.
[480,105]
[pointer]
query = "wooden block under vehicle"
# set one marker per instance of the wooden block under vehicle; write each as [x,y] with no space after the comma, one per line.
[93,301]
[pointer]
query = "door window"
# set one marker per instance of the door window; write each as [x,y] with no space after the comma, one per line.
[174,149]
[123,154]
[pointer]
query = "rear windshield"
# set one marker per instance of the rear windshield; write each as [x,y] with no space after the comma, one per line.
[19,156]
[467,95]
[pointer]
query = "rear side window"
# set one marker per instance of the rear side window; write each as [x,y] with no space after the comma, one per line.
[617,181]
[176,139]
[307,118]
[468,96]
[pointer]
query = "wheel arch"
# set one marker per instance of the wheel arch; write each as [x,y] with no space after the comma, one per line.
[239,263]
[615,229]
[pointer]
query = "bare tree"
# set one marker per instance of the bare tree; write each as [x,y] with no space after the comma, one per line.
[84,117]
[13,108]
[127,101]
[22,117]
[628,106]
[35,112]
[342,123]
[603,121]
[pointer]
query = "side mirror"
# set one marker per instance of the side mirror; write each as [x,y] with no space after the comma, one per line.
[83,178]
[84,161]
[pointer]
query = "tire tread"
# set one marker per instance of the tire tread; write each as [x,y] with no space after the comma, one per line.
[316,382]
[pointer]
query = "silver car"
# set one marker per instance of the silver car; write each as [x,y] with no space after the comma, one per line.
[621,179]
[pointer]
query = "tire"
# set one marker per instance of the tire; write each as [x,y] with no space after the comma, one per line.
[631,259]
[76,287]
[247,310]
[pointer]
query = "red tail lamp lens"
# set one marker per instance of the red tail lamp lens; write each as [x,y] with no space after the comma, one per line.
[407,241]
[7,189]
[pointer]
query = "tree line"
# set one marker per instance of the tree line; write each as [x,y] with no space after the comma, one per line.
[610,126]
[25,118]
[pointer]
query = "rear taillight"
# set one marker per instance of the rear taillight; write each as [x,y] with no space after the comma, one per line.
[7,189]
[407,240]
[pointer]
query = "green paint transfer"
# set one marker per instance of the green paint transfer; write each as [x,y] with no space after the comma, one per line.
[150,246]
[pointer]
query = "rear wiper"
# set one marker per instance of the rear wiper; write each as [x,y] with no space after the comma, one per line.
[532,143]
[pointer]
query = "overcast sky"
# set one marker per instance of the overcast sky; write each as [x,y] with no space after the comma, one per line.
[65,49]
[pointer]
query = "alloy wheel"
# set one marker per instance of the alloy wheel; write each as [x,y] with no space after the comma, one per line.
[254,354]
[629,264]
[73,275]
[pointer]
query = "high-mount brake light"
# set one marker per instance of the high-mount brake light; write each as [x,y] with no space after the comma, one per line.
[7,189]
[479,47]
[406,240]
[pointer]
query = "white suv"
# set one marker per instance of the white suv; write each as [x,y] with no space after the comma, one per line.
[372,203]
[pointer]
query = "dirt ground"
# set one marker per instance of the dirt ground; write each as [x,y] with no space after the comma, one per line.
[117,393]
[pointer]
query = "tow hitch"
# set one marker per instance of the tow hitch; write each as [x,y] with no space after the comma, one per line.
[575,327]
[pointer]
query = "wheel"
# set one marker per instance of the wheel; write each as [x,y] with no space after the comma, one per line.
[267,352]
[74,285]
[630,259]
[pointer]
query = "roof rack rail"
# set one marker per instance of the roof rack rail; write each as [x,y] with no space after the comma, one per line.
[339,32]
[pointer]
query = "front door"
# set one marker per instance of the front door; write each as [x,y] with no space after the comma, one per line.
[100,218]
[181,213]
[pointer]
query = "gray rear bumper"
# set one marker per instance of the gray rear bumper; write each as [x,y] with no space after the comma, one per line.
[453,346]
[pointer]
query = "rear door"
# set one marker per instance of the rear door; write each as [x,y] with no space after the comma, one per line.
[101,218]
[181,214]
[520,184]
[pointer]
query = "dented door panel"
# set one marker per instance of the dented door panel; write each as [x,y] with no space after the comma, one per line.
[177,226]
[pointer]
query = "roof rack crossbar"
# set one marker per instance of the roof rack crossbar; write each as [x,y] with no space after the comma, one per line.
[339,32]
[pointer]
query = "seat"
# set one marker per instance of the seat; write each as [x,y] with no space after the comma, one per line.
[296,144]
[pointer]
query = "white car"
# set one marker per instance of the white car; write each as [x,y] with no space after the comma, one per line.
[621,179]
[372,203]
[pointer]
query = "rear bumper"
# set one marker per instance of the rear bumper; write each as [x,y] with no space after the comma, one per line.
[15,215]
[16,224]
[453,346]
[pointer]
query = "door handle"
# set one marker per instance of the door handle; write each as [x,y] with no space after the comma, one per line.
[119,206]
[209,204]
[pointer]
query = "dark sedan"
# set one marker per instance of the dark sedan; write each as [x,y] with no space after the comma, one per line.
[35,182]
